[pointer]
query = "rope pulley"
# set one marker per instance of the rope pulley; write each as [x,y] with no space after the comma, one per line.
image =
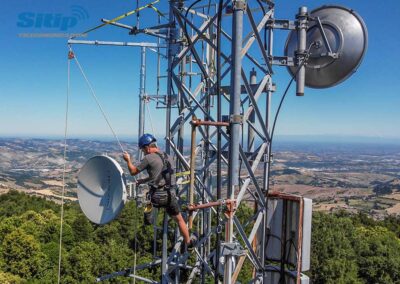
[71,55]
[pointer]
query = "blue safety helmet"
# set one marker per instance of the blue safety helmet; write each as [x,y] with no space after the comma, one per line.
[146,139]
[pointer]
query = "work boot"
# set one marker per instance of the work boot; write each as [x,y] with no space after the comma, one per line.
[193,241]
[191,245]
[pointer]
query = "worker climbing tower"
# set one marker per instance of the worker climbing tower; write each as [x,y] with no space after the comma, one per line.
[219,125]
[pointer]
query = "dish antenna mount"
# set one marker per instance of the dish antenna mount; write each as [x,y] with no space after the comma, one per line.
[337,38]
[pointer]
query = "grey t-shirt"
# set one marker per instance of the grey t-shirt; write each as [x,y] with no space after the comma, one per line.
[154,165]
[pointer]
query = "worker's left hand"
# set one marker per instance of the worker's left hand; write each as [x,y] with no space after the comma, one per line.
[126,157]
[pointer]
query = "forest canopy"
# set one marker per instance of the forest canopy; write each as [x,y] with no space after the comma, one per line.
[345,248]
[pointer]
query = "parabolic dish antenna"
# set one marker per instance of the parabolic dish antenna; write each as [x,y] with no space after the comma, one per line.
[101,189]
[347,36]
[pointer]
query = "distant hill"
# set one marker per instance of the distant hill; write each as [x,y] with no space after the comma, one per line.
[388,187]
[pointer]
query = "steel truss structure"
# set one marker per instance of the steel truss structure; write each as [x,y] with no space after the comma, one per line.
[219,89]
[245,112]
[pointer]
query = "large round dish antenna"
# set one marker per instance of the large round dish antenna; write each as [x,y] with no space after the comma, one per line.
[101,189]
[347,36]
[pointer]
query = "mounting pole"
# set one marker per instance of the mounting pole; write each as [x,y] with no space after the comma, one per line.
[172,50]
[219,144]
[302,24]
[170,55]
[267,165]
[142,96]
[235,123]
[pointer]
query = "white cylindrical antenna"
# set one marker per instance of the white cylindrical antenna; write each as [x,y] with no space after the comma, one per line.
[302,24]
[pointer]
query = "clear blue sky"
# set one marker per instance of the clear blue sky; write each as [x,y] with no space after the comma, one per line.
[34,74]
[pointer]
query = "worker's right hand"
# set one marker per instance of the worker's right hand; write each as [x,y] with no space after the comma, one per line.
[126,157]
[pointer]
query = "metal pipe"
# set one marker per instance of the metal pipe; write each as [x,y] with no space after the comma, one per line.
[219,138]
[181,101]
[254,243]
[118,24]
[158,61]
[198,122]
[300,240]
[235,122]
[172,50]
[142,94]
[302,23]
[267,151]
[206,230]
[252,117]
[193,207]
[283,239]
[116,43]
[192,172]
[286,196]
[164,257]
[155,231]
[180,144]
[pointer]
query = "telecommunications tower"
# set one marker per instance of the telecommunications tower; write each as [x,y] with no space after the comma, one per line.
[216,94]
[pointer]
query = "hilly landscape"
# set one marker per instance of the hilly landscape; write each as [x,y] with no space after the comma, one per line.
[353,177]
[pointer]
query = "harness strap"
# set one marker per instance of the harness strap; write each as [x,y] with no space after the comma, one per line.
[162,175]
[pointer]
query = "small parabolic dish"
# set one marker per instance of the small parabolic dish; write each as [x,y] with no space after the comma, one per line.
[101,189]
[347,36]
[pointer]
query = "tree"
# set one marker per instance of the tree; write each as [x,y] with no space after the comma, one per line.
[333,259]
[82,228]
[22,255]
[116,256]
[8,278]
[8,225]
[378,254]
[84,261]
[50,231]
[32,223]
[16,203]
[393,224]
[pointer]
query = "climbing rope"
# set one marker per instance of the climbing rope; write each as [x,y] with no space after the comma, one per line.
[70,54]
[150,117]
[96,99]
[135,241]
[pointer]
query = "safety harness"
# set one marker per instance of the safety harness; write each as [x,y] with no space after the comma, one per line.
[160,198]
[166,172]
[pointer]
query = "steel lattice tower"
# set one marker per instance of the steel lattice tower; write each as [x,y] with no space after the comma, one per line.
[219,87]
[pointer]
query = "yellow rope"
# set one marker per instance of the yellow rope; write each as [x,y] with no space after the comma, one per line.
[181,174]
[150,5]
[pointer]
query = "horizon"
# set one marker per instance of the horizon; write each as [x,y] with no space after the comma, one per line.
[310,139]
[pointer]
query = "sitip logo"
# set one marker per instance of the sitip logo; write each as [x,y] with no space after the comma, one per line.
[53,20]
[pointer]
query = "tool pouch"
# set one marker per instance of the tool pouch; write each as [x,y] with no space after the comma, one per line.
[160,198]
